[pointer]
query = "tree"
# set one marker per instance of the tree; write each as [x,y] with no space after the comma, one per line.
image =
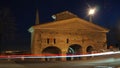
[7,27]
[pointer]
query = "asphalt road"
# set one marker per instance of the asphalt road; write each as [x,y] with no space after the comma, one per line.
[107,61]
[101,63]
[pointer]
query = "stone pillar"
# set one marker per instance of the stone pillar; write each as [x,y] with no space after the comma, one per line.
[35,47]
[63,54]
[84,53]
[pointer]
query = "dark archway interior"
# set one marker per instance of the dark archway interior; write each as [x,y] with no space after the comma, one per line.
[74,49]
[89,49]
[52,50]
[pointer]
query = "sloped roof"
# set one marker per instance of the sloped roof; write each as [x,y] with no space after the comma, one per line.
[64,15]
[71,23]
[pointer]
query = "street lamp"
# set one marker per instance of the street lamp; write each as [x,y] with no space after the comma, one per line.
[91,12]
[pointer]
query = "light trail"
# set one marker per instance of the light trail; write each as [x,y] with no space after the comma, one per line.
[55,56]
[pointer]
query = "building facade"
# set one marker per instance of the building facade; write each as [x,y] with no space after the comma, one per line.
[67,35]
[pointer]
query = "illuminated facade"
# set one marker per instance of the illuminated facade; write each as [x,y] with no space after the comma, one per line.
[68,34]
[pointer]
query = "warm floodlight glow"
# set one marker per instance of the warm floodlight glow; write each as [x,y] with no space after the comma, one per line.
[91,11]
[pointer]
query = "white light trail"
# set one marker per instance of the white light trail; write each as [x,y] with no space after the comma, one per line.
[85,55]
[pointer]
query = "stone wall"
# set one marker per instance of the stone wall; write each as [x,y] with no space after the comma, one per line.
[95,39]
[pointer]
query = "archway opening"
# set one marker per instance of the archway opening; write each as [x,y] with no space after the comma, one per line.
[74,49]
[89,51]
[51,51]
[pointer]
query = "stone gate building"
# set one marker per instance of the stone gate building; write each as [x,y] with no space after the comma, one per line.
[68,34]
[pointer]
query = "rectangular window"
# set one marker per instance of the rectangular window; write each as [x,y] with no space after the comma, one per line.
[54,41]
[48,40]
[67,41]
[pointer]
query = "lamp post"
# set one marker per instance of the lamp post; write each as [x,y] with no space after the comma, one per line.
[91,12]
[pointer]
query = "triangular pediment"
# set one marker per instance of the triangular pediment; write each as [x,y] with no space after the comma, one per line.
[69,21]
[71,24]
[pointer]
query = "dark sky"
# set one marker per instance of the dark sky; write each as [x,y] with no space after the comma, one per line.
[107,15]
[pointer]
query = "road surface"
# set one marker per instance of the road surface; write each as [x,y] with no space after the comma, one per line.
[110,62]
[107,61]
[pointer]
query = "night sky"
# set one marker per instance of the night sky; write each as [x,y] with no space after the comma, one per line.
[107,15]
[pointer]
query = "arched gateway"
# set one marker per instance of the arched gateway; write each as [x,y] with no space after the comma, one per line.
[74,49]
[89,49]
[51,51]
[65,34]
